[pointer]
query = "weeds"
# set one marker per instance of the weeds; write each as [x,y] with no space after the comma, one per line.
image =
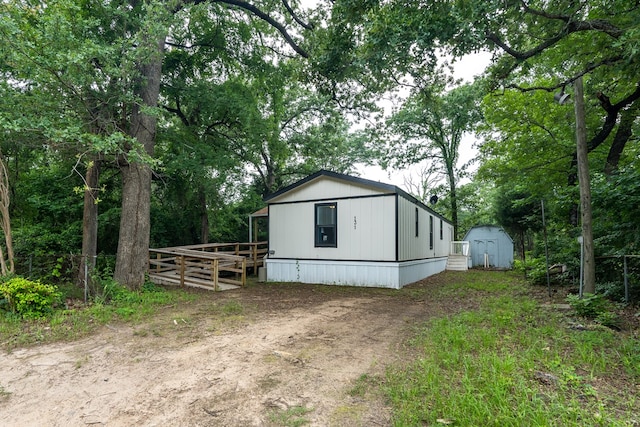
[492,367]
[290,417]
[596,307]
[4,394]
[115,304]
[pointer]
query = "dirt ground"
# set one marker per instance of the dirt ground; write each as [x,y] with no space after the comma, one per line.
[287,347]
[233,358]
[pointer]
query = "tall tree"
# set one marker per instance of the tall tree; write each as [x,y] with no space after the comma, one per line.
[518,213]
[6,261]
[134,240]
[430,126]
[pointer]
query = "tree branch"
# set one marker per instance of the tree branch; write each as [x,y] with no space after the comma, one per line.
[570,27]
[589,68]
[265,17]
[295,16]
[612,117]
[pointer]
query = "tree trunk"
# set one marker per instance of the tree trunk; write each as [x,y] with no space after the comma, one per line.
[89,222]
[589,268]
[523,254]
[6,220]
[454,199]
[135,223]
[204,216]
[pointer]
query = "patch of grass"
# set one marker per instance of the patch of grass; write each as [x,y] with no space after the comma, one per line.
[4,394]
[290,417]
[455,283]
[513,363]
[226,314]
[363,384]
[67,325]
[232,308]
[348,415]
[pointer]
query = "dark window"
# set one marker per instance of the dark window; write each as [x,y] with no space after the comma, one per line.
[326,225]
[441,230]
[430,232]
[417,222]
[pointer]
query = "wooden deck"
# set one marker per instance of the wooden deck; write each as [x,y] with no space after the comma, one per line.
[214,266]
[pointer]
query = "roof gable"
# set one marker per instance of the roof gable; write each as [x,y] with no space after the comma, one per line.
[486,230]
[358,186]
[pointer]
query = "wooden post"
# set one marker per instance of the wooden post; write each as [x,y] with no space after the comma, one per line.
[216,273]
[255,259]
[244,272]
[182,269]
[158,258]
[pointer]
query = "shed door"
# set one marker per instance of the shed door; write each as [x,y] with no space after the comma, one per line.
[482,247]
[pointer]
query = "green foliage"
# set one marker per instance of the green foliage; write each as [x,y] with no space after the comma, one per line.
[81,320]
[232,308]
[28,299]
[107,289]
[589,305]
[615,205]
[512,362]
[596,307]
[534,269]
[608,319]
[290,417]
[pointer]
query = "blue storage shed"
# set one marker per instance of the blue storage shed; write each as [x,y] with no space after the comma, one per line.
[490,247]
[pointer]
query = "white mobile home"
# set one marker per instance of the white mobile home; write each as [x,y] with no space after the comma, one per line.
[338,229]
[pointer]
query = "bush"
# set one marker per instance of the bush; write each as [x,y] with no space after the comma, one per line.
[107,289]
[534,269]
[594,306]
[28,299]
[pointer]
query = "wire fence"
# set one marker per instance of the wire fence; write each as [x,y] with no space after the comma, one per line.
[618,277]
[59,267]
[67,269]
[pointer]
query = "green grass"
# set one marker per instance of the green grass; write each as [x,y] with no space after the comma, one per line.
[290,417]
[66,325]
[514,363]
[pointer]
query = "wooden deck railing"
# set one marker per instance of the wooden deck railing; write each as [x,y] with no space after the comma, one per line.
[210,266]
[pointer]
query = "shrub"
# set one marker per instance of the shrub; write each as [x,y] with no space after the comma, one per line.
[107,289]
[28,299]
[590,305]
[534,269]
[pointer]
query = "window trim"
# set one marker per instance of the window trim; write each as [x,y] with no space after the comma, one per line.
[417,223]
[316,232]
[430,232]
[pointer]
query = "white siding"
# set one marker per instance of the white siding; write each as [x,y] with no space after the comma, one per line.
[353,273]
[411,247]
[366,230]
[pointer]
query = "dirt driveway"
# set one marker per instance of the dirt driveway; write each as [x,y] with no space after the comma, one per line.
[248,357]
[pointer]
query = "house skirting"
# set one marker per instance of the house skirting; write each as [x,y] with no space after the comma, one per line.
[393,275]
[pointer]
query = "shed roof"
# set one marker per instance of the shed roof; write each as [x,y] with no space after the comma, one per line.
[488,227]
